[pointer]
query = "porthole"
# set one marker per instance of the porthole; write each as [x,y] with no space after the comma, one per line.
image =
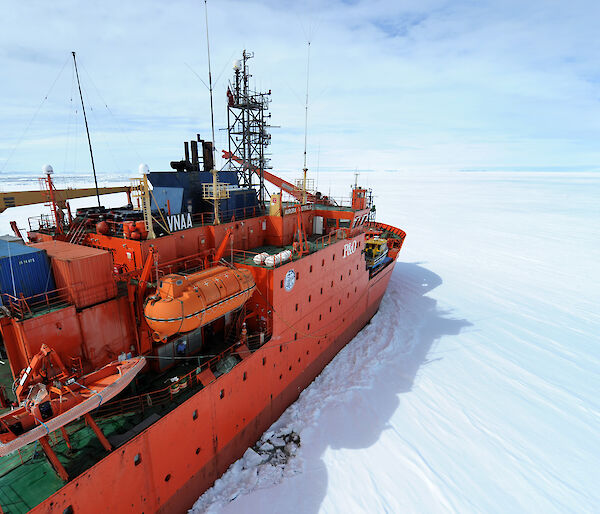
[264,360]
[321,290]
[309,298]
[195,415]
[280,348]
[197,451]
[168,477]
[296,306]
[310,270]
[137,460]
[308,327]
[244,376]
[295,336]
[281,285]
[320,317]
[222,394]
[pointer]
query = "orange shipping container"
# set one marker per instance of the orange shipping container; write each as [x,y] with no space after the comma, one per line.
[86,274]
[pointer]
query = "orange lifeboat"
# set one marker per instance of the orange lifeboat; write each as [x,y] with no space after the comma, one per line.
[185,302]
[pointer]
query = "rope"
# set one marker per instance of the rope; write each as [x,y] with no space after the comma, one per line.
[42,423]
[91,391]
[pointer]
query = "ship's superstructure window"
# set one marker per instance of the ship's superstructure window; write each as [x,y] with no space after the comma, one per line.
[296,306]
[244,376]
[309,298]
[281,285]
[295,336]
[195,415]
[222,394]
[310,270]
[137,459]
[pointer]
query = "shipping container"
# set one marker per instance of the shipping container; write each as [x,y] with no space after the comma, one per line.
[11,239]
[85,274]
[24,271]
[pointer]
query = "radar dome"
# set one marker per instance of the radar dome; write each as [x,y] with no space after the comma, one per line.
[47,169]
[144,169]
[237,64]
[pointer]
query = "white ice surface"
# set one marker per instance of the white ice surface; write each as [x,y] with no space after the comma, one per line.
[475,388]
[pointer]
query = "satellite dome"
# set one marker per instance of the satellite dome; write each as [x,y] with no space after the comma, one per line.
[47,169]
[144,169]
[237,64]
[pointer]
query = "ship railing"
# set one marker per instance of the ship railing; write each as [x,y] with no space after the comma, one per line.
[187,264]
[167,394]
[21,306]
[77,293]
[332,237]
[242,213]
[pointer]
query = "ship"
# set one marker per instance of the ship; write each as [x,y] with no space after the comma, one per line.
[203,307]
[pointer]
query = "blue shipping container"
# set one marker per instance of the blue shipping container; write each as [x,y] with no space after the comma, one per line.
[24,270]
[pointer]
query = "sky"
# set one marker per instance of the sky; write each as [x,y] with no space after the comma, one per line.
[393,85]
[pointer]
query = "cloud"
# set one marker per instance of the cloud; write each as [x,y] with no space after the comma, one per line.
[393,84]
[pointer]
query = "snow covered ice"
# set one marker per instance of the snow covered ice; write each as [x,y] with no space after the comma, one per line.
[475,387]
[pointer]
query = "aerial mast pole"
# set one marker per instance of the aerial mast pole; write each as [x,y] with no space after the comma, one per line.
[88,130]
[216,192]
[306,125]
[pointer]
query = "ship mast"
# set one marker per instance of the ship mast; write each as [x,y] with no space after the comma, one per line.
[247,127]
[87,129]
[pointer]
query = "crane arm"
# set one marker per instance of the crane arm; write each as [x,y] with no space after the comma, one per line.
[288,187]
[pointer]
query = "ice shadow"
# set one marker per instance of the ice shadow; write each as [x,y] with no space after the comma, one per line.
[352,401]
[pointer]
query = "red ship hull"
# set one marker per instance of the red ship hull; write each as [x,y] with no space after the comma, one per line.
[184,452]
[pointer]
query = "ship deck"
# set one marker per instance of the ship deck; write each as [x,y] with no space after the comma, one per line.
[315,243]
